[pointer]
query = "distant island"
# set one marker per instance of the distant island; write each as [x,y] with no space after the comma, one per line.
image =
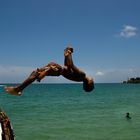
[132,81]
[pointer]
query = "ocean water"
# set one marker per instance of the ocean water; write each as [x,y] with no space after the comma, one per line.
[66,112]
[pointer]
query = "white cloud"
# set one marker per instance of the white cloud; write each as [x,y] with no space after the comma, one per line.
[99,73]
[128,31]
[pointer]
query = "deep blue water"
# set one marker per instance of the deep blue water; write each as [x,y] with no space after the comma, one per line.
[66,112]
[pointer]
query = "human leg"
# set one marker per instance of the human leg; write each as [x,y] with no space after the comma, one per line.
[17,90]
[52,69]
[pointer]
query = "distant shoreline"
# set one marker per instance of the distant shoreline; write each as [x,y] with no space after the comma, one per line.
[132,81]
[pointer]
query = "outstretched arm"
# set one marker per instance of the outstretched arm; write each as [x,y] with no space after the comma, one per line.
[68,57]
[71,72]
[75,74]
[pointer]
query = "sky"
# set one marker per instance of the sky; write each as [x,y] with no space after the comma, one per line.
[105,35]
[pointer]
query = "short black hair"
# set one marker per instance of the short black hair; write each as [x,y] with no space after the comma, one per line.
[88,84]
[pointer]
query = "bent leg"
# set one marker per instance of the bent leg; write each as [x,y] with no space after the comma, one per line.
[52,69]
[18,89]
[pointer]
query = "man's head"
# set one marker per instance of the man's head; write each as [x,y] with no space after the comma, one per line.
[88,84]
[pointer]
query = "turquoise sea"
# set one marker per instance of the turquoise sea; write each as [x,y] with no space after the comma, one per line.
[66,112]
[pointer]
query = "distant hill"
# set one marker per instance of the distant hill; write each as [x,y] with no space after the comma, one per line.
[133,81]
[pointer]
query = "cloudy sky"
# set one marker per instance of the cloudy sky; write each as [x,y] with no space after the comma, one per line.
[104,34]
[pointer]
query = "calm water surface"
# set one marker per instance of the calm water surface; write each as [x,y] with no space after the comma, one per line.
[66,112]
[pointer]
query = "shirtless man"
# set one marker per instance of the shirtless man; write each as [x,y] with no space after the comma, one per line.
[69,71]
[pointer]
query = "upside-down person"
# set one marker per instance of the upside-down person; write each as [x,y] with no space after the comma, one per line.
[69,71]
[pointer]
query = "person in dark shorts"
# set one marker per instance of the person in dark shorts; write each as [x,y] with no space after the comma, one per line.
[69,71]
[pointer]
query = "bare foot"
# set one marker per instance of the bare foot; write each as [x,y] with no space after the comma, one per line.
[13,91]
